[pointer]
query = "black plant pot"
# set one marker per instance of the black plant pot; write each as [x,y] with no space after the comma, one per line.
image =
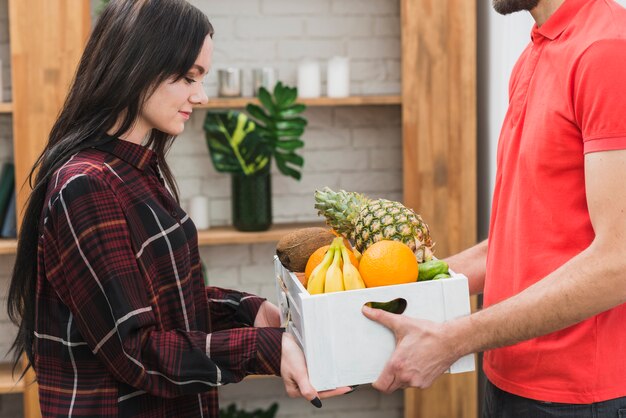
[252,201]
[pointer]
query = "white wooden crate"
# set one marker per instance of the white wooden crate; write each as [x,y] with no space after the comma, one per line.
[344,348]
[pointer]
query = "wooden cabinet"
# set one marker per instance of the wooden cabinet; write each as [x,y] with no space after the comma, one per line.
[438,102]
[439,151]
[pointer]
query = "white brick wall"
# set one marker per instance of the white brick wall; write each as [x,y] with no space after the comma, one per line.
[354,148]
[252,33]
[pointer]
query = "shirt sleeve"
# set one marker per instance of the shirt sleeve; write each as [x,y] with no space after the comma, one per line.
[599,95]
[231,308]
[109,305]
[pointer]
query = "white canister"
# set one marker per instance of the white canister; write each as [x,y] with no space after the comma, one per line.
[199,211]
[338,77]
[309,80]
[230,82]
[263,77]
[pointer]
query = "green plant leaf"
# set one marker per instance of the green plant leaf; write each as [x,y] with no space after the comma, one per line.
[290,144]
[238,144]
[292,158]
[234,144]
[285,169]
[258,113]
[266,100]
[290,97]
[279,92]
[295,123]
[290,132]
[292,110]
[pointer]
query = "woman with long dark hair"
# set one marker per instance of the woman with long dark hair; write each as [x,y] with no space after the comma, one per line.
[114,316]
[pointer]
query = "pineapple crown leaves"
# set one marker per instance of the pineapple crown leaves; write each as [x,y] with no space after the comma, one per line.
[279,122]
[341,209]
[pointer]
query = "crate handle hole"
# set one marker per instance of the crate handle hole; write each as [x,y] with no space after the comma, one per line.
[395,306]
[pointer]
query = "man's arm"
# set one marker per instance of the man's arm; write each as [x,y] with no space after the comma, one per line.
[473,264]
[592,282]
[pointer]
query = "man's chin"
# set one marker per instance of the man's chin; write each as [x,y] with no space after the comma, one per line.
[505,7]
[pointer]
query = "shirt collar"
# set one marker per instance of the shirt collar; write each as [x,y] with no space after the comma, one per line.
[559,21]
[134,154]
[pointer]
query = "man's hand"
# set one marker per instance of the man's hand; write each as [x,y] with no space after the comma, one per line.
[423,351]
[267,316]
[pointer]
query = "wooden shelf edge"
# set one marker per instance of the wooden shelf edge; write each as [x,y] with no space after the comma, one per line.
[229,235]
[7,383]
[219,235]
[241,102]
[259,377]
[6,107]
[8,246]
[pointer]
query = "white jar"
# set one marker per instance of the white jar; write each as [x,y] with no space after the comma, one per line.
[199,211]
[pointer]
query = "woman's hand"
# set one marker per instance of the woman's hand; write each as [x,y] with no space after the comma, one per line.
[267,316]
[296,378]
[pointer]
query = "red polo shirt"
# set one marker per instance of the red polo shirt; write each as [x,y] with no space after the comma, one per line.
[567,98]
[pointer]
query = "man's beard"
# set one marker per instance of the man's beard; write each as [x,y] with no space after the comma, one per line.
[505,7]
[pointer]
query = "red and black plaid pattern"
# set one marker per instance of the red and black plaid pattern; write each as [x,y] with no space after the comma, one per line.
[124,323]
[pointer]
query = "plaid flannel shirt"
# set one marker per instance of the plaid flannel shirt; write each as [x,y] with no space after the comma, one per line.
[124,324]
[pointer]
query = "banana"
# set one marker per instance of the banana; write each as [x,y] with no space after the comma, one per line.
[334,277]
[356,253]
[318,276]
[351,276]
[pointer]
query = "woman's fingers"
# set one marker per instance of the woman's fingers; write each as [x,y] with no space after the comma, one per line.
[294,372]
[296,378]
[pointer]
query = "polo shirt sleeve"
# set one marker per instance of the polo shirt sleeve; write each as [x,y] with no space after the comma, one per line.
[599,95]
[108,300]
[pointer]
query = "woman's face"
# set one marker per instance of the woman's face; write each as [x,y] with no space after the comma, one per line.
[170,105]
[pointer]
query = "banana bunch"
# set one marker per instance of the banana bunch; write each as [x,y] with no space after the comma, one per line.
[335,273]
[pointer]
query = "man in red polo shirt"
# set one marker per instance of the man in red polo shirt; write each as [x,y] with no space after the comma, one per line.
[553,269]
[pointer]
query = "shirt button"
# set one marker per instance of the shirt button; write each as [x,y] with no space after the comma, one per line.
[174,213]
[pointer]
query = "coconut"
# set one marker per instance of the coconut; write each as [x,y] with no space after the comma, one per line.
[295,248]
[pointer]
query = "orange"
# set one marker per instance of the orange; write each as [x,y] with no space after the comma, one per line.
[318,256]
[386,263]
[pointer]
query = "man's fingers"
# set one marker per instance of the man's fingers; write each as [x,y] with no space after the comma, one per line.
[335,392]
[383,317]
[385,381]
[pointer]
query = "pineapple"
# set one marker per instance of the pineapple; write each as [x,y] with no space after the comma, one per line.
[366,221]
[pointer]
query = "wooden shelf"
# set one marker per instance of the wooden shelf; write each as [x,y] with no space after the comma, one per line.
[229,235]
[215,236]
[259,377]
[8,246]
[241,102]
[7,383]
[6,107]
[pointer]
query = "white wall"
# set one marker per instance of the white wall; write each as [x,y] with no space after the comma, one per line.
[500,41]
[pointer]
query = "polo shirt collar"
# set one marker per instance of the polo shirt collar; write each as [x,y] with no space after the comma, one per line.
[560,20]
[137,155]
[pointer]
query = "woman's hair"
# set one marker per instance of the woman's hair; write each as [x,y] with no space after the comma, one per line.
[135,46]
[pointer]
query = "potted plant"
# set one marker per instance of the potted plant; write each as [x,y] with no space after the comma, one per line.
[233,412]
[244,146]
